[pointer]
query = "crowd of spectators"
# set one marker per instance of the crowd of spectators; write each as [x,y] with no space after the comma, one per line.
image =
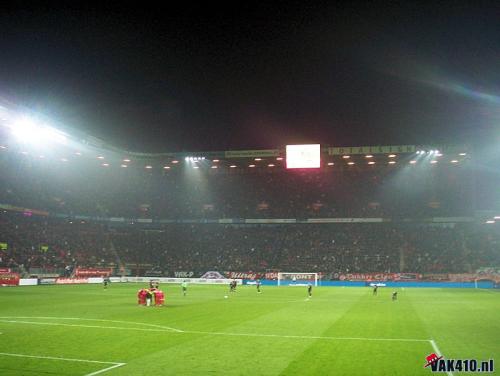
[329,248]
[184,192]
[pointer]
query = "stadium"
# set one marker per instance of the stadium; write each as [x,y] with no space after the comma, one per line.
[138,253]
[340,219]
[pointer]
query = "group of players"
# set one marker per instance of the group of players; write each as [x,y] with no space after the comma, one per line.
[151,296]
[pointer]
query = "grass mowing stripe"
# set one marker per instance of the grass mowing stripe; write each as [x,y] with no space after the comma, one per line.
[216,333]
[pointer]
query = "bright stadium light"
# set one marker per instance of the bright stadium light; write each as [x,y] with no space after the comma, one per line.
[350,163]
[270,165]
[215,160]
[166,167]
[279,158]
[490,222]
[346,156]
[496,217]
[175,162]
[368,156]
[213,167]
[392,155]
[27,130]
[454,161]
[126,160]
[232,166]
[462,154]
[392,162]
[371,163]
[330,163]
[148,167]
[413,162]
[251,166]
[124,165]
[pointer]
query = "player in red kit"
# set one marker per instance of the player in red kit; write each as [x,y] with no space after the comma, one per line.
[159,298]
[142,296]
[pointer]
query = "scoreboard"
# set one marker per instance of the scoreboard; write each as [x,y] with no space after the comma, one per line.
[303,156]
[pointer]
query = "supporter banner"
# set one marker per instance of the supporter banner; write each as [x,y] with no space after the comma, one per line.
[489,270]
[71,281]
[9,279]
[47,281]
[4,246]
[4,270]
[406,277]
[212,275]
[366,277]
[462,277]
[372,149]
[435,277]
[252,153]
[93,272]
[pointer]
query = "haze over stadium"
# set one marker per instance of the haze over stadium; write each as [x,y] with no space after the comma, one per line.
[257,189]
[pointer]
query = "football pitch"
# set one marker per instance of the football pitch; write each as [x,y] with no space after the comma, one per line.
[86,330]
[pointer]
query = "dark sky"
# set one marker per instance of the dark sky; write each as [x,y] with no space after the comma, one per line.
[220,77]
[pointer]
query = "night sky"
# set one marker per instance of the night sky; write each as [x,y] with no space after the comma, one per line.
[220,77]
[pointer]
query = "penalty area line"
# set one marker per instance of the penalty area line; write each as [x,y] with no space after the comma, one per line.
[113,364]
[169,330]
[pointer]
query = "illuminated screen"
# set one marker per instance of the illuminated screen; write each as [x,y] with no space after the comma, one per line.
[303,156]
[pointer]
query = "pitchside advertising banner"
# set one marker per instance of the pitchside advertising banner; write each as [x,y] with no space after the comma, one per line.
[93,272]
[9,279]
[380,277]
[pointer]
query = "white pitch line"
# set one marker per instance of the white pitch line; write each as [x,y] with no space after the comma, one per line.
[305,337]
[106,369]
[80,319]
[90,326]
[436,349]
[113,364]
[221,333]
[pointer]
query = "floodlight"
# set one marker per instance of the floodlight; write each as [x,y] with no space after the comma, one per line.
[27,130]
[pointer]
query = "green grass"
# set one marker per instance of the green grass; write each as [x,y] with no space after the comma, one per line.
[278,332]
